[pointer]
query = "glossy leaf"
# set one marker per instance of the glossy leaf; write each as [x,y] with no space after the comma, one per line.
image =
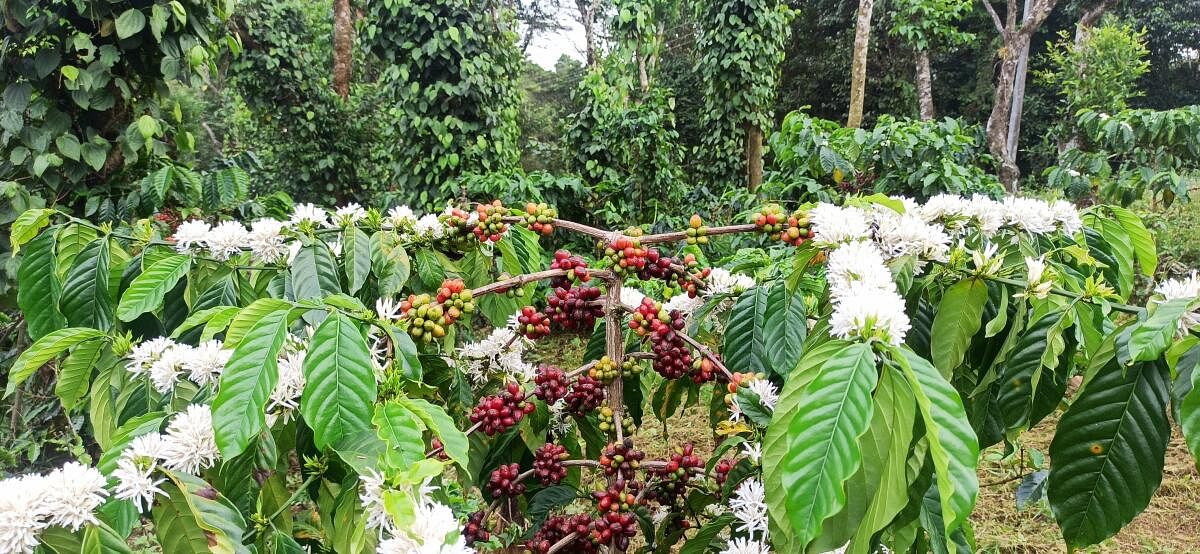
[356,258]
[958,318]
[27,225]
[248,379]
[45,349]
[822,438]
[251,315]
[1108,451]
[401,429]
[196,518]
[389,262]
[442,426]
[39,291]
[148,289]
[785,326]
[86,299]
[952,443]
[76,372]
[1150,338]
[340,381]
[745,348]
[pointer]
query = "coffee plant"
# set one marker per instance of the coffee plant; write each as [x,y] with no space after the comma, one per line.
[358,381]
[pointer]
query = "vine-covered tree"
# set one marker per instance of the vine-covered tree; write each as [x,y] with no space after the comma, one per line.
[741,44]
[451,67]
[86,86]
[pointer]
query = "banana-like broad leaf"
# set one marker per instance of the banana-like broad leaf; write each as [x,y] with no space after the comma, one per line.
[248,379]
[1108,450]
[952,442]
[339,381]
[959,317]
[40,288]
[822,438]
[148,289]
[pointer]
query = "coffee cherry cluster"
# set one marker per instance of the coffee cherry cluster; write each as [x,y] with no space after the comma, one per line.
[491,223]
[625,256]
[797,230]
[475,530]
[681,463]
[576,265]
[645,315]
[556,528]
[574,308]
[550,384]
[539,218]
[703,370]
[621,459]
[436,446]
[687,282]
[697,233]
[548,463]
[607,422]
[503,481]
[616,522]
[672,358]
[770,219]
[631,367]
[455,299]
[604,371]
[532,323]
[658,266]
[721,471]
[456,224]
[738,380]
[586,395]
[426,319]
[498,413]
[515,291]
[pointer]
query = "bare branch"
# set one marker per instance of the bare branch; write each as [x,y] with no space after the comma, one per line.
[987,4]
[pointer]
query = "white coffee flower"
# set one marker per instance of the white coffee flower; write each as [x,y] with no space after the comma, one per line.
[429,227]
[752,451]
[768,394]
[371,497]
[943,207]
[143,355]
[285,397]
[387,308]
[687,305]
[988,214]
[190,444]
[347,216]
[1181,288]
[631,297]
[743,545]
[227,239]
[1067,216]
[1039,279]
[832,224]
[136,482]
[870,313]
[72,494]
[165,371]
[205,363]
[749,506]
[401,217]
[857,264]
[1029,214]
[309,213]
[908,235]
[721,281]
[266,242]
[498,353]
[190,234]
[22,513]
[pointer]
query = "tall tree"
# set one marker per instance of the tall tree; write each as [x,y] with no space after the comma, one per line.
[343,47]
[452,69]
[742,46]
[858,63]
[1003,126]
[924,25]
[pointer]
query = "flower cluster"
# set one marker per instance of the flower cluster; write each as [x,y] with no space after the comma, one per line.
[1028,215]
[165,361]
[66,497]
[189,445]
[1182,287]
[866,303]
[434,528]
[497,355]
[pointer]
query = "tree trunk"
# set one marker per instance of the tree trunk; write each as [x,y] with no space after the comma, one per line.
[1005,120]
[924,86]
[754,156]
[858,64]
[343,47]
[587,18]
